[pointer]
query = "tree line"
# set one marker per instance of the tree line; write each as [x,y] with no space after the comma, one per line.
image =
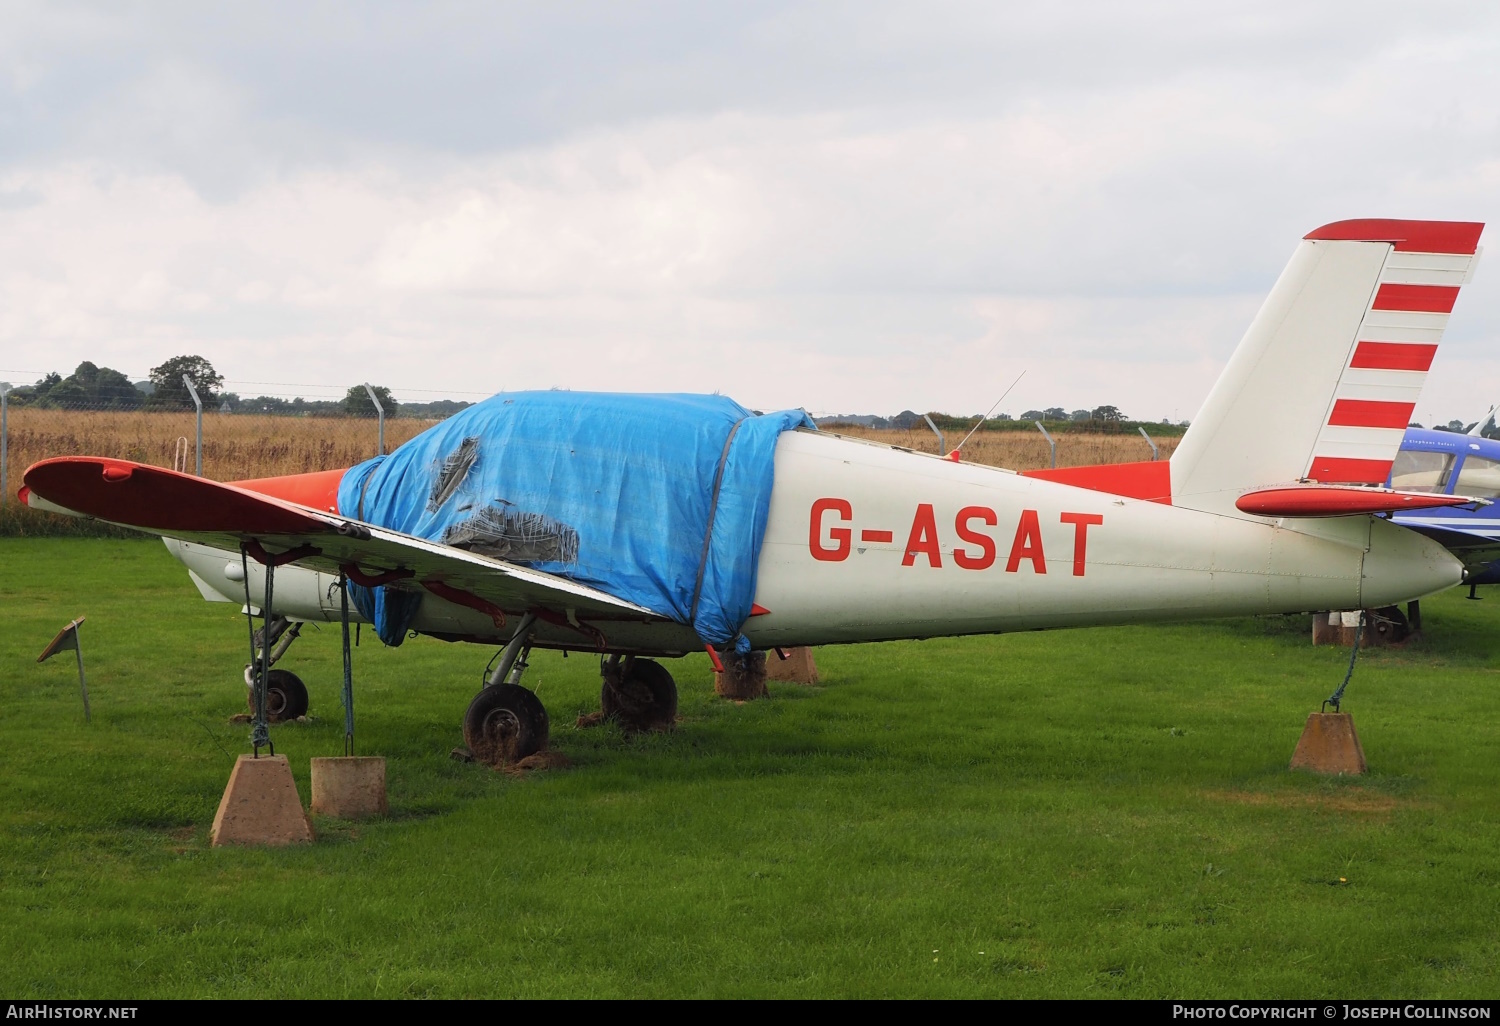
[93,387]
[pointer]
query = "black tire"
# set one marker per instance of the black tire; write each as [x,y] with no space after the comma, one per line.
[286,697]
[1389,625]
[504,724]
[643,699]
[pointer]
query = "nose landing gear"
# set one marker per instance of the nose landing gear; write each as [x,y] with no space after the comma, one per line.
[286,695]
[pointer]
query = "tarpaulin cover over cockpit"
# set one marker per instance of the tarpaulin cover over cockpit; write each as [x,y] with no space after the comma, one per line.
[660,500]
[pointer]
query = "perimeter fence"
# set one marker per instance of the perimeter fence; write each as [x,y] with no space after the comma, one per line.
[227,439]
[302,428]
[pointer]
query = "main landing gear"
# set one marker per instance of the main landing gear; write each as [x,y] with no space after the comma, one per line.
[638,694]
[505,723]
[286,695]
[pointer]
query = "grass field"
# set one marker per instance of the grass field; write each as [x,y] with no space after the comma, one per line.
[1102,812]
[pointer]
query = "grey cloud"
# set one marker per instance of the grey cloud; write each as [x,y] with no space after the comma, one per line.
[228,91]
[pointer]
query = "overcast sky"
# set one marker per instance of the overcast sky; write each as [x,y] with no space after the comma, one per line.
[852,207]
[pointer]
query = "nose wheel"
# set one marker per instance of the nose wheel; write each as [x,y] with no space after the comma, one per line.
[286,697]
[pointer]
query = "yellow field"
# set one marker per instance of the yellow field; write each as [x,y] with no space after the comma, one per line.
[1027,450]
[236,447]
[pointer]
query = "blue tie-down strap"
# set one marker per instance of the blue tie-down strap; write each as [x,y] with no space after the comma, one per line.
[660,500]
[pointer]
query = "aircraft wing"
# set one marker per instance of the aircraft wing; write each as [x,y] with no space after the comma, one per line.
[196,509]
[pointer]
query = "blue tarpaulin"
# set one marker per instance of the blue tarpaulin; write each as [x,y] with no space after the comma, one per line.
[660,500]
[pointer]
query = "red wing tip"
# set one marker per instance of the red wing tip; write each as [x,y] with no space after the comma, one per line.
[1459,238]
[756,609]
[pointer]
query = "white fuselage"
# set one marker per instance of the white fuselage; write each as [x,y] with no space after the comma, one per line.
[870,542]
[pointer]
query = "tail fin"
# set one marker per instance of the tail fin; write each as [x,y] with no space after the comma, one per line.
[1325,381]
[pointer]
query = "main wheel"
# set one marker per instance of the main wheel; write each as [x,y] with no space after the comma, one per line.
[504,724]
[644,698]
[286,697]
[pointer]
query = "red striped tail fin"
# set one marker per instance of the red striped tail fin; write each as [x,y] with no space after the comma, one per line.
[1326,380]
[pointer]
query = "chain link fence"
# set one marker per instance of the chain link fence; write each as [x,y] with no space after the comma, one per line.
[294,430]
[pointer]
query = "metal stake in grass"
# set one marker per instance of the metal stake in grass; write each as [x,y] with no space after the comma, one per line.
[68,638]
[348,666]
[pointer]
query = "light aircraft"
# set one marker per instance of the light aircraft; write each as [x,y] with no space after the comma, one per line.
[1447,462]
[480,529]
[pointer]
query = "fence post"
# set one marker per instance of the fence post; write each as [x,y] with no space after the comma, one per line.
[1049,442]
[1155,452]
[198,448]
[942,445]
[4,442]
[379,412]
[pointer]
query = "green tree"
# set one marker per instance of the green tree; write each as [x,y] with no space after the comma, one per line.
[171,393]
[357,401]
[89,386]
[1107,414]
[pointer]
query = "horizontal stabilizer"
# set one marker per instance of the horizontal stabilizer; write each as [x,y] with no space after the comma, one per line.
[1334,501]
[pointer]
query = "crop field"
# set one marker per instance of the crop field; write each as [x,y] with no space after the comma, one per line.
[1097,812]
[1028,450]
[235,447]
[241,446]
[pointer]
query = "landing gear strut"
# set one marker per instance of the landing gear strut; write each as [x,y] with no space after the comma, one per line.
[505,723]
[639,694]
[286,695]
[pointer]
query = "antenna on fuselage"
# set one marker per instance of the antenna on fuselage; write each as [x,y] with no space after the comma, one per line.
[1013,384]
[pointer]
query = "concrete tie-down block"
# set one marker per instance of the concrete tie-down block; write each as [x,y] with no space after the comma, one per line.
[349,787]
[1330,745]
[261,805]
[797,668]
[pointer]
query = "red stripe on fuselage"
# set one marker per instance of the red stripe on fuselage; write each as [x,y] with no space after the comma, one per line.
[1151,480]
[1337,470]
[1370,413]
[1417,298]
[1404,356]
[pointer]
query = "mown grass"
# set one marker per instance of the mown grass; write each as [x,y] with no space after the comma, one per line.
[1100,812]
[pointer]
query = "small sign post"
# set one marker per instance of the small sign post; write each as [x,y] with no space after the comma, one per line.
[68,638]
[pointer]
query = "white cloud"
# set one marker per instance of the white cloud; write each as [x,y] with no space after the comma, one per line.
[1104,207]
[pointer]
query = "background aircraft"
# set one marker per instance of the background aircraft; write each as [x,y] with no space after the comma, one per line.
[1447,463]
[639,526]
